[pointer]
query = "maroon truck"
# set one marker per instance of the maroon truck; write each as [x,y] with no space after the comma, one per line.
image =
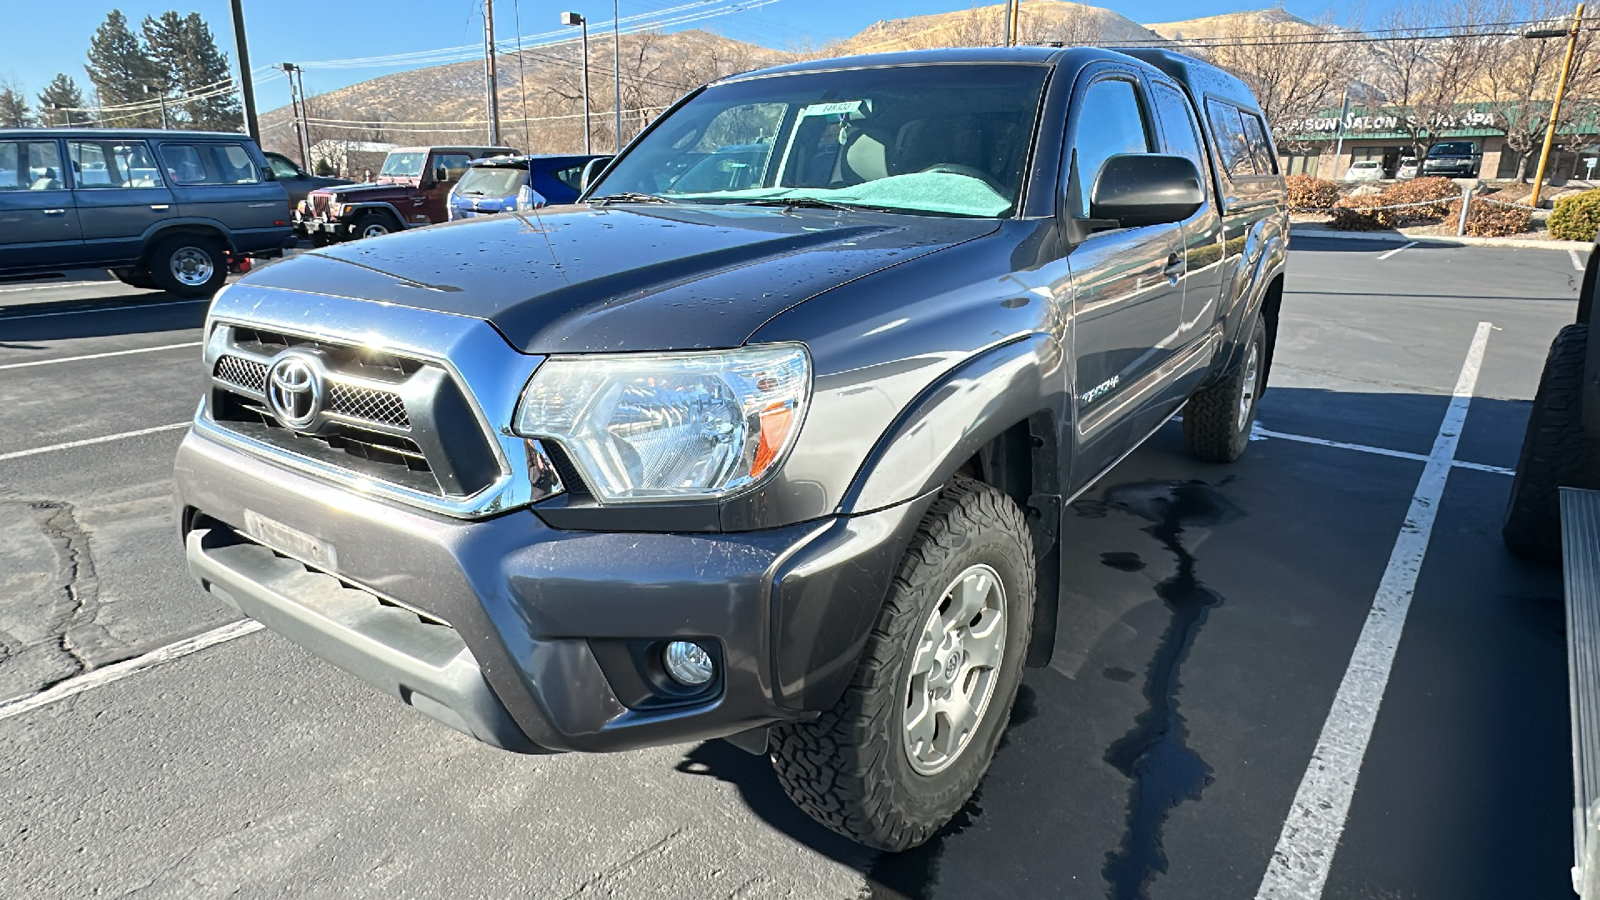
[412,189]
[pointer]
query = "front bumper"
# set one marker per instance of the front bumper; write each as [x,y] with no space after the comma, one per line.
[547,645]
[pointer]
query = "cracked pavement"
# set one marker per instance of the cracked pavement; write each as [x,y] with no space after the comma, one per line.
[252,769]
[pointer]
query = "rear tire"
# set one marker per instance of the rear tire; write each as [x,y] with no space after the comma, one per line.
[188,265]
[865,768]
[1555,452]
[1217,421]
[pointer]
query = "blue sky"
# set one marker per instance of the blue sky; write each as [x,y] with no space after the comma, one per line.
[304,31]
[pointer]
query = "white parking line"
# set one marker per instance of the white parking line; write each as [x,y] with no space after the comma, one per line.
[66,359]
[1577,262]
[69,445]
[125,307]
[118,671]
[1405,246]
[1304,854]
[1257,433]
[52,284]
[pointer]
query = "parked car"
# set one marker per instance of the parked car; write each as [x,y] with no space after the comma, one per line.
[786,462]
[412,189]
[1407,169]
[1452,159]
[1364,170]
[161,209]
[509,183]
[297,181]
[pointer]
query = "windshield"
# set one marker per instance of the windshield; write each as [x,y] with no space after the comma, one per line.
[941,139]
[1452,148]
[407,165]
[492,181]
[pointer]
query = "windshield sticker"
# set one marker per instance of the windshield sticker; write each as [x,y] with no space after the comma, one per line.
[836,108]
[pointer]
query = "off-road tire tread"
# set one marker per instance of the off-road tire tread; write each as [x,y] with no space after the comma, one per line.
[360,224]
[1211,429]
[1555,452]
[830,766]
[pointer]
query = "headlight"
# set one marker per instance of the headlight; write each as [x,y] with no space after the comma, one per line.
[671,425]
[335,209]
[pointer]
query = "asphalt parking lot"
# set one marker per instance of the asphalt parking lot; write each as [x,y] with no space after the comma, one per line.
[1202,694]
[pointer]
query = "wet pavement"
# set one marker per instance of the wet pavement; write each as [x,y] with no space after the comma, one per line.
[1208,616]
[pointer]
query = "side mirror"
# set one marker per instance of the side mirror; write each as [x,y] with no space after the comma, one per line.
[441,174]
[591,170]
[1136,189]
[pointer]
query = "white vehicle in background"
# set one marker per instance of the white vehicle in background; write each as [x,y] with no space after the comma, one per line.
[1408,168]
[1365,170]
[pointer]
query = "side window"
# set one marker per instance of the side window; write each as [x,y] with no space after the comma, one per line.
[1260,147]
[187,165]
[283,168]
[1111,120]
[1238,158]
[571,176]
[454,164]
[1179,128]
[236,165]
[114,164]
[30,166]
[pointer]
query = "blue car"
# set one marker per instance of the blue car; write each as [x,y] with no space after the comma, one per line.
[509,183]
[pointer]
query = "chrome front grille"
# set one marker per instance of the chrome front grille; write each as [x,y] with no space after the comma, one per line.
[365,410]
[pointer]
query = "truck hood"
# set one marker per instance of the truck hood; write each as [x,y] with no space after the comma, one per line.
[378,191]
[625,278]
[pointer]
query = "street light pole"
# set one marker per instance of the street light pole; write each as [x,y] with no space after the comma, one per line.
[251,126]
[572,18]
[1555,107]
[297,105]
[161,97]
[616,70]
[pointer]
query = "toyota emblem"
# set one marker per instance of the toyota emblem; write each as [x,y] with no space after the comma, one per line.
[293,392]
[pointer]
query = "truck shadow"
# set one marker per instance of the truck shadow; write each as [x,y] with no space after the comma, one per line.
[138,312]
[1205,626]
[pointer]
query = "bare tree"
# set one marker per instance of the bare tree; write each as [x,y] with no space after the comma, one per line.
[1420,74]
[1293,71]
[1520,80]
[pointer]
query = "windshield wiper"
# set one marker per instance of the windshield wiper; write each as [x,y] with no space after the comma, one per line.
[628,197]
[814,203]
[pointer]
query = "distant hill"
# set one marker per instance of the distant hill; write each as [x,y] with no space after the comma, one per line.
[1039,21]
[1228,24]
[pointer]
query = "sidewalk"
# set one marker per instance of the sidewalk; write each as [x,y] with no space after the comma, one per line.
[1320,230]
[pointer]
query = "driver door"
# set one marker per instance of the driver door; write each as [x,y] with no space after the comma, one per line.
[435,192]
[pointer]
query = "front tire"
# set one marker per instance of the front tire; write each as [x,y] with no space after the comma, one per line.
[1555,452]
[188,265]
[371,225]
[1217,421]
[905,747]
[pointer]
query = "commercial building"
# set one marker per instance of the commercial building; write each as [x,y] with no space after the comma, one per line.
[1308,145]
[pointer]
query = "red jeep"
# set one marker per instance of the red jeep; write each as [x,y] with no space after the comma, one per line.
[412,189]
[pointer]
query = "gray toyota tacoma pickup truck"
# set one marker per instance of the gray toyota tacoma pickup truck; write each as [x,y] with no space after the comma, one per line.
[779,455]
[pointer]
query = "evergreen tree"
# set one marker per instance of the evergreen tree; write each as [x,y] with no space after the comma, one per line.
[183,47]
[120,71]
[62,92]
[14,112]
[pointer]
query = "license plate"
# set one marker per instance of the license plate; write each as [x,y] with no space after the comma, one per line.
[290,541]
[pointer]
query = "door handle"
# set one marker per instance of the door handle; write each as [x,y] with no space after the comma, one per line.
[160,207]
[55,212]
[1174,265]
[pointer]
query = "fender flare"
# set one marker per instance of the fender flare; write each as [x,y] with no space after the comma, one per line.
[381,205]
[191,224]
[951,419]
[1269,266]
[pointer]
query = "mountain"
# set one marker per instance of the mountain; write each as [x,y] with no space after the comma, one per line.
[1229,24]
[1039,21]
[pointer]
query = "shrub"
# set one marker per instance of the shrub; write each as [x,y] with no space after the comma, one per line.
[1306,192]
[1436,192]
[1360,212]
[1576,217]
[1492,219]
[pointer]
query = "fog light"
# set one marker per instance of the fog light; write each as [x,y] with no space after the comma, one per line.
[688,663]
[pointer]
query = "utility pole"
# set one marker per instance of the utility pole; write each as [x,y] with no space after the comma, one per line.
[161,97]
[1013,12]
[1561,90]
[616,70]
[572,18]
[1338,131]
[489,73]
[297,104]
[251,127]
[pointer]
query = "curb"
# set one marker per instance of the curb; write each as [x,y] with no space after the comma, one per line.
[1397,236]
